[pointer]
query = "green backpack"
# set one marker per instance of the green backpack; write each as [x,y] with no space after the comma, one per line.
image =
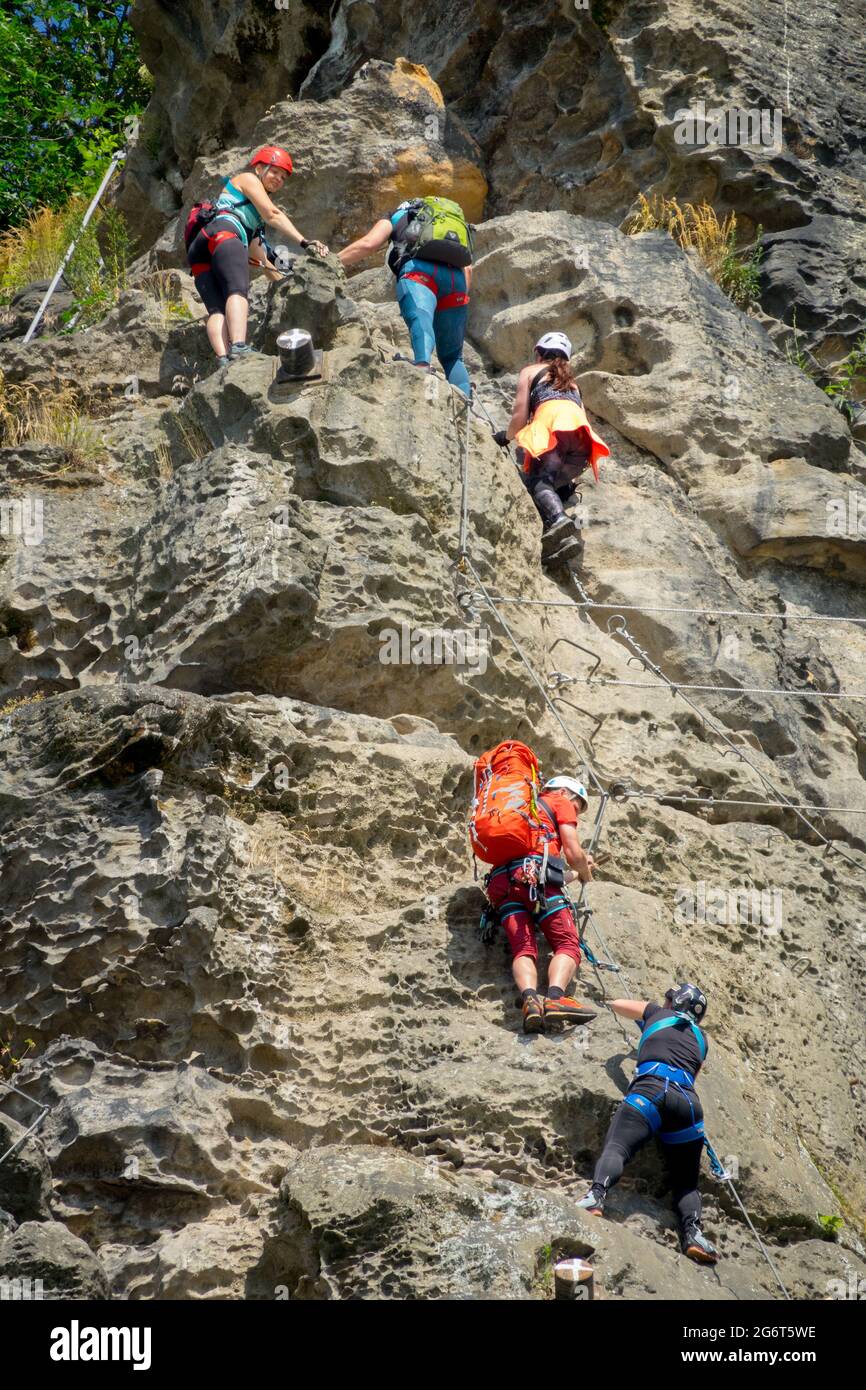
[434,229]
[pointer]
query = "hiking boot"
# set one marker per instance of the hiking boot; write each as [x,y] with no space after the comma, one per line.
[696,1246]
[533,1014]
[553,535]
[239,351]
[567,1010]
[561,542]
[593,1202]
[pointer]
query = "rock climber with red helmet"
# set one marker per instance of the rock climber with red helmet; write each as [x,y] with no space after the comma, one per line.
[228,237]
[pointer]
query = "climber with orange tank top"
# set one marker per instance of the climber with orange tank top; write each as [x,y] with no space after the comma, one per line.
[558,443]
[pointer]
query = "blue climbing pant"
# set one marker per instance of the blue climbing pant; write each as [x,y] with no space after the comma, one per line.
[433,301]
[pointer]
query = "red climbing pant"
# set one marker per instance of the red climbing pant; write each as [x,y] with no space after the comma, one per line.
[519,922]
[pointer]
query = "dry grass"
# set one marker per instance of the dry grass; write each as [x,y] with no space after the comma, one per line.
[34,250]
[96,273]
[696,227]
[29,416]
[164,287]
[192,437]
[18,701]
[164,465]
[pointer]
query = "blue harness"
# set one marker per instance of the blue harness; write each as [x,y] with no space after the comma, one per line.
[682,1081]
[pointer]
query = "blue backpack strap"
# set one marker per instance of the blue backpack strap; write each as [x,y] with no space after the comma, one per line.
[676,1020]
[647,1109]
[650,1028]
[699,1038]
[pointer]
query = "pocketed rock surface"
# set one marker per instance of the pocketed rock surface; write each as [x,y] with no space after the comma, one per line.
[238,909]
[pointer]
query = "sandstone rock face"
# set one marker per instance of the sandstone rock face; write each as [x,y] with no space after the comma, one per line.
[574,107]
[238,909]
[17,317]
[48,1261]
[25,1177]
[388,137]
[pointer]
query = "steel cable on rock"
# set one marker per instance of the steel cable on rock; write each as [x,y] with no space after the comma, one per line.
[702,612]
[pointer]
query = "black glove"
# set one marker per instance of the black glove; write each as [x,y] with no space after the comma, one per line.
[501,438]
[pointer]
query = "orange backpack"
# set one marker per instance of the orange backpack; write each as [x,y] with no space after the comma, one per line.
[506,820]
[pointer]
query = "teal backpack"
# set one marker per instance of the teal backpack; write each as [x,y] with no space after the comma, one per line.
[432,229]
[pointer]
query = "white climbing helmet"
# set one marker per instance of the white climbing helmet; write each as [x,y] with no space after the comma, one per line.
[567,784]
[554,342]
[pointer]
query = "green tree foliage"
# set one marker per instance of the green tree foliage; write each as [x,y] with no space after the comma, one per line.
[70,73]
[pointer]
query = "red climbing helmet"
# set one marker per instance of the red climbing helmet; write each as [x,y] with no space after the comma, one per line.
[273,154]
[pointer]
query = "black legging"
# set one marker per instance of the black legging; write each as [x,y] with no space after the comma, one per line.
[555,473]
[629,1131]
[220,272]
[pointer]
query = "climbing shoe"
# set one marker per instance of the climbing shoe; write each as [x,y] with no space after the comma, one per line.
[533,1014]
[567,1010]
[593,1202]
[696,1246]
[222,361]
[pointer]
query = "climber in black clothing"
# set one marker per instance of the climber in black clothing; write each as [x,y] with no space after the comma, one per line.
[662,1101]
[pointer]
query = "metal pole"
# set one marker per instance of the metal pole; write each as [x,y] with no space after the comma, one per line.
[573,1281]
[115,160]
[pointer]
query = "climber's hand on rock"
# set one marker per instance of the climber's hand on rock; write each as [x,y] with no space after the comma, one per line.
[317,247]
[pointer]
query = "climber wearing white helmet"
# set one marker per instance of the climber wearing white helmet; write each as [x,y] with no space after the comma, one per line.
[557,442]
[581,863]
[526,893]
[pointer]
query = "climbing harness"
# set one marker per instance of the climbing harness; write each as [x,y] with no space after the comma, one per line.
[678,1020]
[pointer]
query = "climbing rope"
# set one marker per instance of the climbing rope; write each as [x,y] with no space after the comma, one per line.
[464,485]
[581,908]
[720,1172]
[534,677]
